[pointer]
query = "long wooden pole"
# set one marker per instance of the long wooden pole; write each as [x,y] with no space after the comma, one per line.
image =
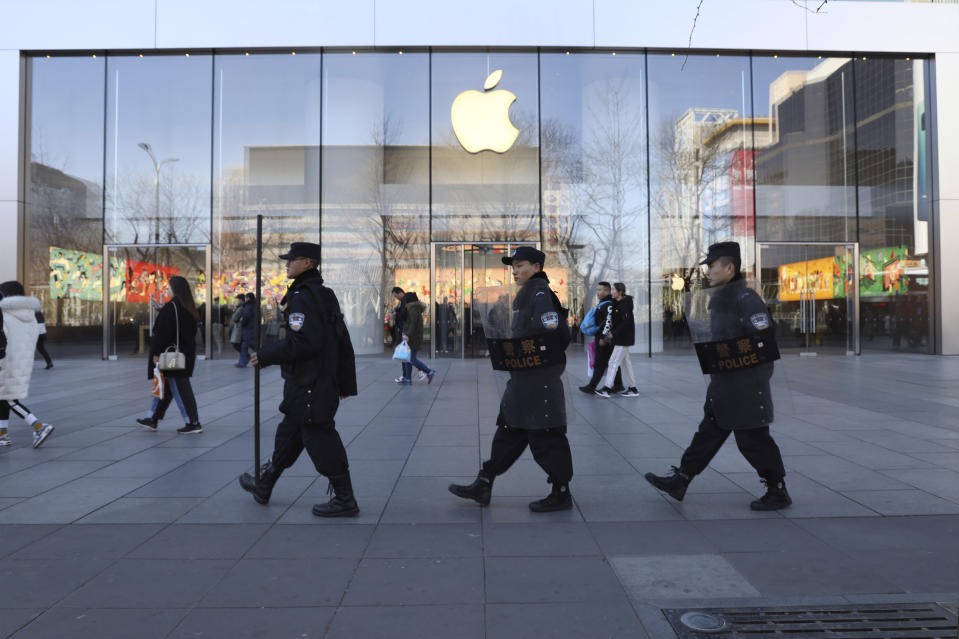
[256,369]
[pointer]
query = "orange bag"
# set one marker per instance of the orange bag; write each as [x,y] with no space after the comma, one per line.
[158,384]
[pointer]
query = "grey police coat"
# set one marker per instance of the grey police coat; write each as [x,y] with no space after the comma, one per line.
[534,399]
[740,400]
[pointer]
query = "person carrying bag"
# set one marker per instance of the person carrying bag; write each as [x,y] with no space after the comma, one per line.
[173,353]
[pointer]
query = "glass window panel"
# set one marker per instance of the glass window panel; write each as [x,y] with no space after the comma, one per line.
[700,125]
[804,149]
[894,204]
[266,152]
[375,167]
[486,195]
[64,199]
[158,149]
[595,215]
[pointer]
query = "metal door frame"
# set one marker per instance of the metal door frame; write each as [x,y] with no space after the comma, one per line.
[105,273]
[433,246]
[856,345]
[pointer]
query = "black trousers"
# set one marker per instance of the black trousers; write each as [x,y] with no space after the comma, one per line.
[756,445]
[322,444]
[41,339]
[185,388]
[550,449]
[6,405]
[603,354]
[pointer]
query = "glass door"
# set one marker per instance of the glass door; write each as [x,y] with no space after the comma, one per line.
[458,270]
[811,291]
[136,287]
[446,296]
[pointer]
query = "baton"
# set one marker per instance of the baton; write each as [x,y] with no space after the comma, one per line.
[256,369]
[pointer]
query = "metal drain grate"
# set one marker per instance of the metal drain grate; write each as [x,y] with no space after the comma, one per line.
[896,621]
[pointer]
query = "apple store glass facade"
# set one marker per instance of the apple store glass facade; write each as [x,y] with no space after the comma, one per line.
[622,166]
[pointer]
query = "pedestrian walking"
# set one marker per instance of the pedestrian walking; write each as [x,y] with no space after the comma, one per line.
[19,330]
[236,323]
[413,335]
[622,335]
[41,340]
[602,318]
[532,411]
[175,326]
[318,367]
[248,330]
[737,326]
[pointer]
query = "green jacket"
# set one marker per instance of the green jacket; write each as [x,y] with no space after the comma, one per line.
[413,327]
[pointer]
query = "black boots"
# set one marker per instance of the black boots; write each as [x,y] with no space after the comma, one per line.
[674,484]
[558,499]
[343,504]
[264,488]
[775,498]
[479,491]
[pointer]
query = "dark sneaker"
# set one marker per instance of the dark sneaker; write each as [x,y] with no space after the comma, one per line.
[429,376]
[604,392]
[480,491]
[48,366]
[559,499]
[149,423]
[617,389]
[589,390]
[190,429]
[775,498]
[630,392]
[674,484]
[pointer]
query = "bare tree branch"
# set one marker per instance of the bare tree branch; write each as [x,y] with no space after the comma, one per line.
[693,28]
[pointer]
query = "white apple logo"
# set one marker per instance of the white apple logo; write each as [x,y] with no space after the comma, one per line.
[481,120]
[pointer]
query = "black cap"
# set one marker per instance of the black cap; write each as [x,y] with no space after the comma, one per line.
[302,249]
[723,249]
[527,253]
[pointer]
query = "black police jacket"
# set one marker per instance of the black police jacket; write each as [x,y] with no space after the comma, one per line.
[740,400]
[316,356]
[534,399]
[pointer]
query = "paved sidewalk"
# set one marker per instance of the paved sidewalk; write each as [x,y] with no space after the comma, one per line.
[112,531]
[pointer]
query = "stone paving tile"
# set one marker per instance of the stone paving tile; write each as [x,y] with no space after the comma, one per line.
[145,510]
[408,622]
[416,580]
[41,583]
[550,579]
[282,582]
[69,502]
[254,623]
[95,542]
[549,539]
[13,619]
[149,583]
[858,446]
[426,540]
[199,541]
[102,623]
[683,577]
[311,542]
[571,620]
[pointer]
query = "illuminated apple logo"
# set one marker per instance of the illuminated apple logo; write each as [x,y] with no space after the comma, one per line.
[481,120]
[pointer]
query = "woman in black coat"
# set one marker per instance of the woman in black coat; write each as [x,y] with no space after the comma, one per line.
[179,313]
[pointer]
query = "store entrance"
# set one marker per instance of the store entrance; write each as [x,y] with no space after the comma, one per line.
[812,292]
[458,270]
[136,285]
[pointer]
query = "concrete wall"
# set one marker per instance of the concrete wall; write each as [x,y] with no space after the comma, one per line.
[781,25]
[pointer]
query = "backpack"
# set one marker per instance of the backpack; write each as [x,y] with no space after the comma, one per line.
[589,325]
[563,329]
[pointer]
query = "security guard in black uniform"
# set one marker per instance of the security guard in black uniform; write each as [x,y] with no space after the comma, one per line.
[737,401]
[318,368]
[533,407]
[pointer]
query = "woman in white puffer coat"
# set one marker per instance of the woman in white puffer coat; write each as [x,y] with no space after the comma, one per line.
[20,329]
